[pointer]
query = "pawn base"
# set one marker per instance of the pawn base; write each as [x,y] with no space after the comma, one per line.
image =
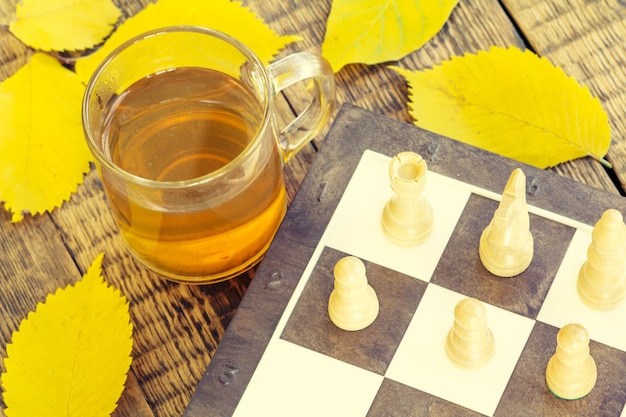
[572,388]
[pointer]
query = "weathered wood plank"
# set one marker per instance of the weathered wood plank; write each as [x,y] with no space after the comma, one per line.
[585,38]
[177,328]
[379,89]
[132,403]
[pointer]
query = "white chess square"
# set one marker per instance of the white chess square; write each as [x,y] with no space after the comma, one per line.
[294,381]
[356,225]
[421,361]
[563,304]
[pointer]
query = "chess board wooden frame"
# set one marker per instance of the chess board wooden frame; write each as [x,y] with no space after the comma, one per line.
[354,132]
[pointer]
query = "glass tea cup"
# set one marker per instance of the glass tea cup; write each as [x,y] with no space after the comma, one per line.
[182,124]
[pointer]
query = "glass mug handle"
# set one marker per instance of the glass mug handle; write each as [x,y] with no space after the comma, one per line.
[290,70]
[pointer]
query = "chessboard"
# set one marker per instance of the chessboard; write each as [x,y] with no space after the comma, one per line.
[283,356]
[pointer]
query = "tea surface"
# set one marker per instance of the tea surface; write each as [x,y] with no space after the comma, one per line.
[181,124]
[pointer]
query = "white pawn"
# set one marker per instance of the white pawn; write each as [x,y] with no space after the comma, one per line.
[353,304]
[470,343]
[602,278]
[506,245]
[571,371]
[407,218]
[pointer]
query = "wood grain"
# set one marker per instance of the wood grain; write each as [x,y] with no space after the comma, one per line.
[177,328]
[379,89]
[585,39]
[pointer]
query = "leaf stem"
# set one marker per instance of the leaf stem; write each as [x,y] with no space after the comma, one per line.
[603,161]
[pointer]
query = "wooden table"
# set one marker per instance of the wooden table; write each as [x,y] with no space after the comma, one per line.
[177,327]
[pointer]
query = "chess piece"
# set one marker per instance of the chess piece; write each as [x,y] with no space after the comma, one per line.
[407,218]
[602,278]
[571,371]
[506,245]
[470,343]
[353,304]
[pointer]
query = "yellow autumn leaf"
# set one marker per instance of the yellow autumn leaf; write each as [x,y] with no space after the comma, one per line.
[71,356]
[63,25]
[225,16]
[375,31]
[43,153]
[512,103]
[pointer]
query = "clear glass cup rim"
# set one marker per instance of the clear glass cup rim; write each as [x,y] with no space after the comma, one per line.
[213,175]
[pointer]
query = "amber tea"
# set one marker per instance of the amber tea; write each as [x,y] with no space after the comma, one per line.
[181,125]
